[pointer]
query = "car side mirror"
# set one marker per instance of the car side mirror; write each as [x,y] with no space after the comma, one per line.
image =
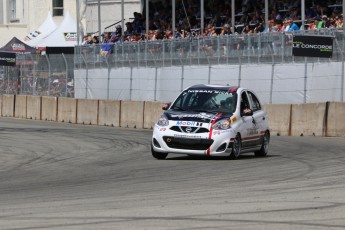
[166,106]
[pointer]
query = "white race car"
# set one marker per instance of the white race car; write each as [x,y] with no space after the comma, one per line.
[212,120]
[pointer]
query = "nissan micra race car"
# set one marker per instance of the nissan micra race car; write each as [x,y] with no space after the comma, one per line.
[212,120]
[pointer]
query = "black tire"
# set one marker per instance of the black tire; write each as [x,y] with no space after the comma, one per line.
[236,148]
[265,145]
[158,155]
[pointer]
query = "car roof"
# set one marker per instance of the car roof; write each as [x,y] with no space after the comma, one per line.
[227,88]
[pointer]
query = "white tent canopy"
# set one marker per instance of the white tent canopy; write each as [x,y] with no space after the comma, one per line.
[45,29]
[64,36]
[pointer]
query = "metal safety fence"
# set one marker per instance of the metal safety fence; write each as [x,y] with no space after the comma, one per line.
[231,49]
[46,75]
[54,75]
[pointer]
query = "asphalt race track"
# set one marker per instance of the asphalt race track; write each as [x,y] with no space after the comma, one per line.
[65,176]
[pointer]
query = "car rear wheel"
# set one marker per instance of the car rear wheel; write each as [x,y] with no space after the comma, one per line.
[236,148]
[158,155]
[264,147]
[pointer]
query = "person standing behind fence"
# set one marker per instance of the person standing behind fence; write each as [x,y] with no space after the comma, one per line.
[58,89]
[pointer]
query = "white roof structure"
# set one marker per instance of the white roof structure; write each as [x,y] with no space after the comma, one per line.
[45,29]
[64,36]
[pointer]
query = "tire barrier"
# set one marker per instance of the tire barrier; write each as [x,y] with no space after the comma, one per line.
[318,119]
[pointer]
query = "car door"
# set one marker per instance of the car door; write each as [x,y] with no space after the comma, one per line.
[247,127]
[259,117]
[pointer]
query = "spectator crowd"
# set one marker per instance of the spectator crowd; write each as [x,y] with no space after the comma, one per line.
[284,15]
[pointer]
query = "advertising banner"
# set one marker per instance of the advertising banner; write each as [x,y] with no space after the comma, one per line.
[7,59]
[312,46]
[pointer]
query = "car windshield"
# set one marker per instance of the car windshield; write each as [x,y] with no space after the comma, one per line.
[206,101]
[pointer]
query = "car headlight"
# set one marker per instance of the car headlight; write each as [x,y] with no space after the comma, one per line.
[163,121]
[222,124]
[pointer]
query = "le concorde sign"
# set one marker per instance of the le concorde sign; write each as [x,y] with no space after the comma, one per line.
[312,46]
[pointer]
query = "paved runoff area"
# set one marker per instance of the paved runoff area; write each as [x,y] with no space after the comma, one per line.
[66,176]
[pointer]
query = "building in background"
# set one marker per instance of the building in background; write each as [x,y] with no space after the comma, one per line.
[20,17]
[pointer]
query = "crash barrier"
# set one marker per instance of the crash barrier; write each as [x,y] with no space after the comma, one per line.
[67,110]
[109,113]
[33,107]
[87,112]
[20,106]
[317,119]
[7,105]
[49,108]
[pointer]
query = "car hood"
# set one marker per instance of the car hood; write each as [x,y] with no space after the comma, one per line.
[205,117]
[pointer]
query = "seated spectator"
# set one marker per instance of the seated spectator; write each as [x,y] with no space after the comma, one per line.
[246,18]
[95,40]
[325,22]
[293,26]
[339,22]
[258,17]
[225,30]
[313,23]
[85,42]
[247,29]
[293,13]
[106,37]
[168,34]
[259,28]
[271,27]
[114,37]
[210,31]
[275,15]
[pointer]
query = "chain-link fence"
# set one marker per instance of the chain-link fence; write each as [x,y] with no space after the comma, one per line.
[46,75]
[53,75]
[231,49]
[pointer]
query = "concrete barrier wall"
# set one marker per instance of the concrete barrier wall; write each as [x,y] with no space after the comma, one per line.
[87,112]
[132,113]
[152,112]
[109,113]
[67,110]
[318,119]
[20,106]
[33,107]
[279,117]
[8,104]
[308,119]
[336,119]
[49,108]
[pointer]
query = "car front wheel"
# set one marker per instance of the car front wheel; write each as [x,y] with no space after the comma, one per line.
[236,148]
[158,155]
